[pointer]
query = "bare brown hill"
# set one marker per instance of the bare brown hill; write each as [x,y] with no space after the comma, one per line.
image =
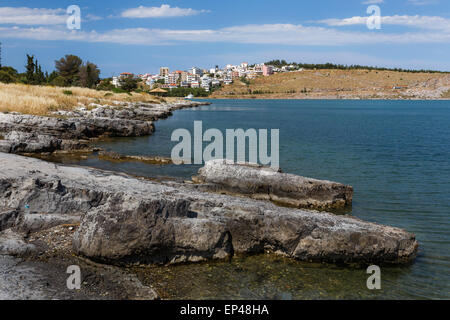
[341,84]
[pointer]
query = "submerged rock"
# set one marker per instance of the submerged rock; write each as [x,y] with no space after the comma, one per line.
[113,156]
[265,183]
[124,219]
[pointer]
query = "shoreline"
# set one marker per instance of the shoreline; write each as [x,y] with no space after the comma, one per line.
[67,183]
[318,98]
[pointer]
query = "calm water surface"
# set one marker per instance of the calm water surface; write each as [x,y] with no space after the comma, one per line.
[396,154]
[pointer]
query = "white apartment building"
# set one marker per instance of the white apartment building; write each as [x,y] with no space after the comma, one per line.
[171,78]
[115,82]
[196,71]
[192,78]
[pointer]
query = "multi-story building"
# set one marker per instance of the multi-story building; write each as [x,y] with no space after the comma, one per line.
[115,82]
[267,70]
[192,78]
[196,71]
[163,71]
[172,78]
[183,76]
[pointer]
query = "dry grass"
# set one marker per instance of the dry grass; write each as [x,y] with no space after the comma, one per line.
[329,82]
[42,100]
[446,95]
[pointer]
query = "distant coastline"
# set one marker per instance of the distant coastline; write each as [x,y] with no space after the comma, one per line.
[330,84]
[315,98]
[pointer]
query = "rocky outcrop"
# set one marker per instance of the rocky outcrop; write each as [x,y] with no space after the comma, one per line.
[72,130]
[265,183]
[124,219]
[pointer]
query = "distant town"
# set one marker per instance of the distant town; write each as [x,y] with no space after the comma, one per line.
[206,79]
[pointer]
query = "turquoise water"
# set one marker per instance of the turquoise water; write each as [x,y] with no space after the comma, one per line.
[396,154]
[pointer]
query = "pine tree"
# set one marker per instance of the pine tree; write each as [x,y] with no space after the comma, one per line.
[30,67]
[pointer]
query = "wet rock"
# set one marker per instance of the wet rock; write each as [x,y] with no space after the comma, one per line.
[124,219]
[265,183]
[113,156]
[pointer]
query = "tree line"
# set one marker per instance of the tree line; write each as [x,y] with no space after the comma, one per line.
[282,63]
[70,70]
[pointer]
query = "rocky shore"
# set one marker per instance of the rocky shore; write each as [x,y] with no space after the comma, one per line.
[52,216]
[124,219]
[68,131]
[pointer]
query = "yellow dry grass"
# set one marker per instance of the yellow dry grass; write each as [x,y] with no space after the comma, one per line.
[446,95]
[42,100]
[327,82]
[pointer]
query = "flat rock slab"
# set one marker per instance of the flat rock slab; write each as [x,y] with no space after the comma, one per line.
[265,183]
[124,219]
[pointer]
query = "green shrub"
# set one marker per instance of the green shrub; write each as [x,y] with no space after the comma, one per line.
[6,77]
[118,90]
[59,82]
[68,92]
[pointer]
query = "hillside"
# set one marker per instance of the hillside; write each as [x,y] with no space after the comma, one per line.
[341,84]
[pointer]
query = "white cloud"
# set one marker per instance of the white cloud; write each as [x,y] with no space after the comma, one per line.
[424,22]
[422,2]
[165,11]
[37,16]
[32,16]
[276,34]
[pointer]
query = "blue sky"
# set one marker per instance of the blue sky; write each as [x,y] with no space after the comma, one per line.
[140,36]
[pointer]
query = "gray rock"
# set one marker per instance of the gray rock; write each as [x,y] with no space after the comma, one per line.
[265,183]
[124,219]
[13,244]
[36,134]
[8,218]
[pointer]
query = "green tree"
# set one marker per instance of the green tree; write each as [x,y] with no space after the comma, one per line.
[39,76]
[6,77]
[13,72]
[106,85]
[68,68]
[52,76]
[128,84]
[88,75]
[30,69]
[59,82]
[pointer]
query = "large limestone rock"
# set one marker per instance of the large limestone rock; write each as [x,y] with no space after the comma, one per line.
[124,219]
[265,183]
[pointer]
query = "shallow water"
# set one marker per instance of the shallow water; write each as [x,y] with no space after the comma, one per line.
[396,154]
